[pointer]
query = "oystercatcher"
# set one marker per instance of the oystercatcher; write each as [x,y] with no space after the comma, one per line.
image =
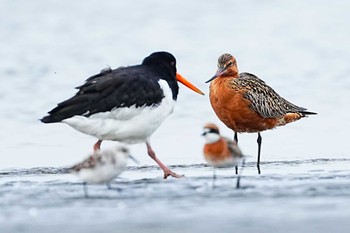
[219,151]
[126,104]
[102,166]
[245,103]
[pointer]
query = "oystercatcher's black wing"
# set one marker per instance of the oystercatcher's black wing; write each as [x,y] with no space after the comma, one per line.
[123,87]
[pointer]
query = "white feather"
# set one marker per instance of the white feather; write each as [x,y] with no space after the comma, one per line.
[211,137]
[127,124]
[112,163]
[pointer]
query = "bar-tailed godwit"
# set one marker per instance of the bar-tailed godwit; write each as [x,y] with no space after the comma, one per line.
[245,103]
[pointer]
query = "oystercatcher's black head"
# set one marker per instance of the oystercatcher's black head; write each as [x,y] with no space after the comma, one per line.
[164,63]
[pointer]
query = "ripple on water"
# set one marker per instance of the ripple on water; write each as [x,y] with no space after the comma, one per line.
[32,196]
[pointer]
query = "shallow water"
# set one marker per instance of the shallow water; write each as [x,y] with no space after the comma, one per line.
[300,48]
[308,196]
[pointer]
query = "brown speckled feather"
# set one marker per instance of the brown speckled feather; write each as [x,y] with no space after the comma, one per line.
[90,162]
[264,100]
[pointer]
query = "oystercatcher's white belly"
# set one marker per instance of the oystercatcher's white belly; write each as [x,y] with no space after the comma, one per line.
[126,124]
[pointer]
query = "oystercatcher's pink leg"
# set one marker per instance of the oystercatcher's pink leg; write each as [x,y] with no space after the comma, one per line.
[97,146]
[166,170]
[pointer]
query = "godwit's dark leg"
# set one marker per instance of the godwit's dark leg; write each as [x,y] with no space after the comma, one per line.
[166,170]
[85,190]
[259,140]
[235,138]
[97,146]
[236,168]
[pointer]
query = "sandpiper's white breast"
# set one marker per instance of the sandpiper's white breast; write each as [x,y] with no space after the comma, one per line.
[100,174]
[108,165]
[126,124]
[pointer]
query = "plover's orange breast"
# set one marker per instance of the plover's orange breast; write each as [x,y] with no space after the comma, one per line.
[218,153]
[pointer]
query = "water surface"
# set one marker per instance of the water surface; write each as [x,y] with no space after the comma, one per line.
[310,196]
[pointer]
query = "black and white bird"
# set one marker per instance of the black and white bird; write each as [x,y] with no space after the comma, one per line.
[126,104]
[103,166]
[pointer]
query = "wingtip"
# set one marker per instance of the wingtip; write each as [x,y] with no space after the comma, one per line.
[48,119]
[45,119]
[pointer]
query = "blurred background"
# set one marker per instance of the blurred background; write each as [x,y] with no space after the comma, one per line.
[300,48]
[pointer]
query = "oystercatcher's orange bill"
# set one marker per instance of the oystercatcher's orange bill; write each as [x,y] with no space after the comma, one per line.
[188,84]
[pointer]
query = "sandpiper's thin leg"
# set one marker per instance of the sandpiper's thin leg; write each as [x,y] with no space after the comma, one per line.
[85,190]
[109,187]
[259,140]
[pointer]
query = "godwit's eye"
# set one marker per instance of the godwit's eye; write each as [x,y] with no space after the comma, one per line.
[230,63]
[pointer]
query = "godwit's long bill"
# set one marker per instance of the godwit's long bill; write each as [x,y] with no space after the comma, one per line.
[245,103]
[221,152]
[126,104]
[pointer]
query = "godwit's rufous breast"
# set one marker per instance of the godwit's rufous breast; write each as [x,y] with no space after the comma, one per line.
[245,103]
[126,104]
[219,151]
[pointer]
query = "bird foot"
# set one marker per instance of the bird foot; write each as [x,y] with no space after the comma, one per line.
[173,174]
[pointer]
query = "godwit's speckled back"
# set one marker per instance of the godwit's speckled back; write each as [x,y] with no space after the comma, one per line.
[264,100]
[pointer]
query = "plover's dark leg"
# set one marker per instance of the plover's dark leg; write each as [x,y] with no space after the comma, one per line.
[240,174]
[214,177]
